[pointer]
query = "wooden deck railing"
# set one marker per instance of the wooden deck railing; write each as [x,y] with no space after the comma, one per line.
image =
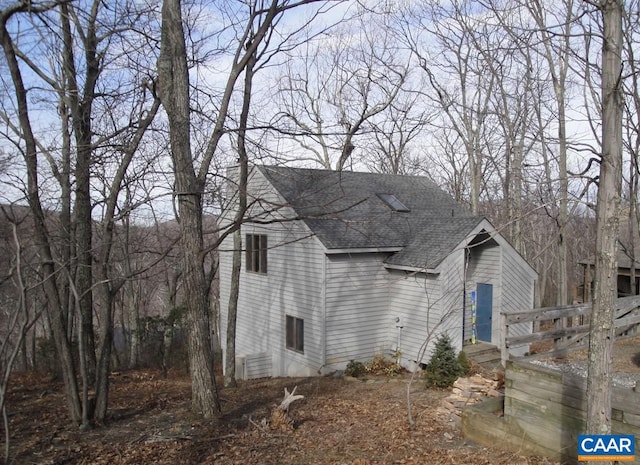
[564,328]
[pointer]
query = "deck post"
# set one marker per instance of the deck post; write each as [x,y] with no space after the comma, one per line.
[504,350]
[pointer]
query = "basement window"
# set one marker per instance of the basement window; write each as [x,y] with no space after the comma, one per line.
[295,334]
[393,202]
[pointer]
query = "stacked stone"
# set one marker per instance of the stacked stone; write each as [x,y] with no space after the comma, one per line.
[470,390]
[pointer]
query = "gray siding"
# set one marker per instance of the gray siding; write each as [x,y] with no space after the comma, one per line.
[452,279]
[518,284]
[357,320]
[293,285]
[484,266]
[416,299]
[428,304]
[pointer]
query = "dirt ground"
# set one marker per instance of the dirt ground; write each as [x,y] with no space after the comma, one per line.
[338,422]
[626,355]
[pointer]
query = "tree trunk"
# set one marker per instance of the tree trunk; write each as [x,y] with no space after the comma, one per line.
[81,119]
[103,367]
[563,209]
[204,391]
[633,222]
[174,93]
[167,342]
[134,354]
[214,302]
[232,312]
[230,365]
[80,105]
[607,210]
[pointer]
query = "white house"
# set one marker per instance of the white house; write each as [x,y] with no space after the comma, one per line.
[341,266]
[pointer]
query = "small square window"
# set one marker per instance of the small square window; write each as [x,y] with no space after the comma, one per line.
[295,334]
[256,253]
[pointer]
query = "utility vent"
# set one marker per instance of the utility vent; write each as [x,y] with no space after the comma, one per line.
[253,366]
[393,202]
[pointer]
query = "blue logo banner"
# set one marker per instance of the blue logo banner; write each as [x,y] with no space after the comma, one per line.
[594,447]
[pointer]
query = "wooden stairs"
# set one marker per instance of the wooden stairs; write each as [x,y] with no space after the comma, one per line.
[486,355]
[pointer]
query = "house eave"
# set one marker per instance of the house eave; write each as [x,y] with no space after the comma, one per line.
[412,269]
[363,250]
[495,235]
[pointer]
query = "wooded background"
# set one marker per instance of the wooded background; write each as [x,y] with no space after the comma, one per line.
[118,120]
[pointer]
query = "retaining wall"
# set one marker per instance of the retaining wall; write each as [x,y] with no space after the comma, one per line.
[542,413]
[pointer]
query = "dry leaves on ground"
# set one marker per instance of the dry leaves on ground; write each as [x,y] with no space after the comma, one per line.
[337,422]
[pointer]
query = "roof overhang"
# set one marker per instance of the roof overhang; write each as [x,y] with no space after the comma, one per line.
[363,250]
[411,269]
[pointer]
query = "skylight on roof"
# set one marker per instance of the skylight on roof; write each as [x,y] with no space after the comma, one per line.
[393,202]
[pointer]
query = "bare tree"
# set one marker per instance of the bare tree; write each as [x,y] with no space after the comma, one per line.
[631,135]
[31,158]
[395,133]
[16,322]
[243,171]
[445,38]
[607,216]
[332,93]
[511,62]
[255,24]
[77,85]
[483,62]
[557,49]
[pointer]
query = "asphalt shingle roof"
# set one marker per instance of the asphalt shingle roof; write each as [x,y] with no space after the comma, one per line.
[345,212]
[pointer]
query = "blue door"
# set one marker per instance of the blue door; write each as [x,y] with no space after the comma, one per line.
[484,311]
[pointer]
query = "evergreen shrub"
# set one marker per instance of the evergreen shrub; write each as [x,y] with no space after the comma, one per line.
[443,368]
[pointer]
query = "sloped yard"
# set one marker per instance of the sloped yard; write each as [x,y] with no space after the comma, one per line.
[338,422]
